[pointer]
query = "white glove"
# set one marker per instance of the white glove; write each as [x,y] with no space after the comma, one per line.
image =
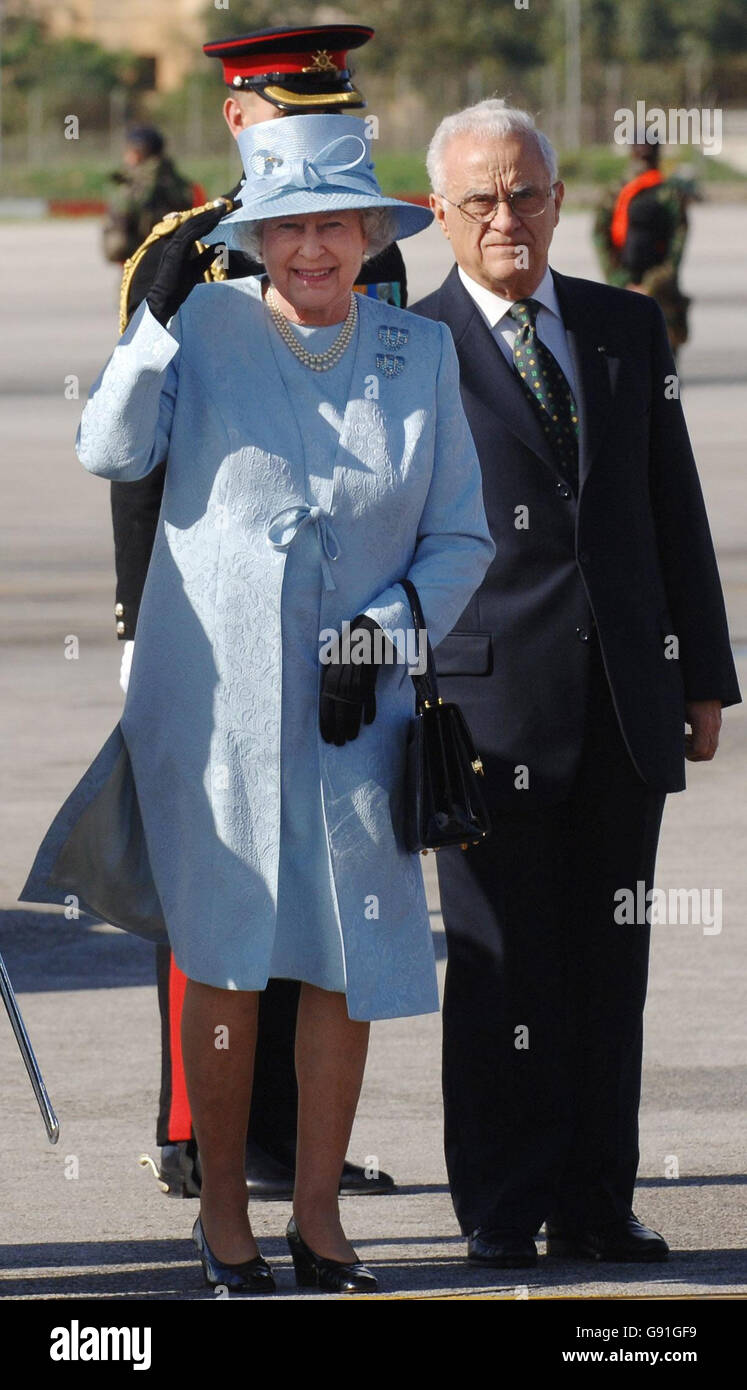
[124,670]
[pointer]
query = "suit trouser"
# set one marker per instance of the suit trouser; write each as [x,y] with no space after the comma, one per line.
[272,1123]
[543,1006]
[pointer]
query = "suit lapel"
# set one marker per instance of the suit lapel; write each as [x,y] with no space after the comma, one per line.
[486,372]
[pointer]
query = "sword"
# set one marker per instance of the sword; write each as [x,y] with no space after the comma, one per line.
[27,1052]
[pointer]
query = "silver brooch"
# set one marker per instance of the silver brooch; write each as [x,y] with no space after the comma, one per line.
[393,337]
[389,365]
[263,163]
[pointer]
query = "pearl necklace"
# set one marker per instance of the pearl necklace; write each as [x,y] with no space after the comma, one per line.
[315,361]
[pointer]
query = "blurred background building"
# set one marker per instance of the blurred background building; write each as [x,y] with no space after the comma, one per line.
[572,62]
[164,37]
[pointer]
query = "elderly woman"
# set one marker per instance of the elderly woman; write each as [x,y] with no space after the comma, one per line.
[251,797]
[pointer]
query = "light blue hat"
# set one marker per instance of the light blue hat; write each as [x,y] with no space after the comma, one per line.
[303,164]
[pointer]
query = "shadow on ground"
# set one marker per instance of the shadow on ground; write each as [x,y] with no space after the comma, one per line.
[44,951]
[164,1269]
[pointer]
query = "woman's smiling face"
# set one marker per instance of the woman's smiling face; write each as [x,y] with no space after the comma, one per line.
[313,260]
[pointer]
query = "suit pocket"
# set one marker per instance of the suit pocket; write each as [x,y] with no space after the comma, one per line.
[465,654]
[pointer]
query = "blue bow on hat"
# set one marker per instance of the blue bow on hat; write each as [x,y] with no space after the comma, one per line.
[304,171]
[307,164]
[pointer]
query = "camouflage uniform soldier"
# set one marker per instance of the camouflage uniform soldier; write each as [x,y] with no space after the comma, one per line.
[149,186]
[639,234]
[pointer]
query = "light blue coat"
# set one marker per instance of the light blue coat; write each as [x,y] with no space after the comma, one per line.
[202,718]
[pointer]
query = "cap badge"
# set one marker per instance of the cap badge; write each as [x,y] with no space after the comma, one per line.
[321,62]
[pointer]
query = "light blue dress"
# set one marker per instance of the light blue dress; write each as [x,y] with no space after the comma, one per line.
[308,945]
[215,811]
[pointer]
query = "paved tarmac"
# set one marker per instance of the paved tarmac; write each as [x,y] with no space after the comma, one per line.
[84,1218]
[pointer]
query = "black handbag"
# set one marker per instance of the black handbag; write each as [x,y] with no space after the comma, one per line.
[443,801]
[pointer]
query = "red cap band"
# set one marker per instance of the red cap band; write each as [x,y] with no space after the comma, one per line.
[296,63]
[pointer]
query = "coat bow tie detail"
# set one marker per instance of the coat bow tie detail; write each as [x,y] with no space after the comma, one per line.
[285,523]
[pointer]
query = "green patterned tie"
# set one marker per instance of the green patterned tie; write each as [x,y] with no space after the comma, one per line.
[545,384]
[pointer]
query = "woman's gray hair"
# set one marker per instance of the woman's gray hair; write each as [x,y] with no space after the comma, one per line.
[377,223]
[488,118]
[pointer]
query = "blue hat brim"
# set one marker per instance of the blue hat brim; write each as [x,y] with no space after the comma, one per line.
[409,218]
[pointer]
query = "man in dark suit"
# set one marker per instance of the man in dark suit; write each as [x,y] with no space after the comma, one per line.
[269,73]
[598,633]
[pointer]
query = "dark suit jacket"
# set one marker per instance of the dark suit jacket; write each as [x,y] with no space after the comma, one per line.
[632,554]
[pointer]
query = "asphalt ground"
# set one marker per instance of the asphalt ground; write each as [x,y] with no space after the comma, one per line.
[85,1219]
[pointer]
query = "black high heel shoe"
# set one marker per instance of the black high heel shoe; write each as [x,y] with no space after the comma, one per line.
[332,1276]
[252,1275]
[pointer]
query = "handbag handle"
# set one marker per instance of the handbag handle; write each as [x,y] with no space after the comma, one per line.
[426,686]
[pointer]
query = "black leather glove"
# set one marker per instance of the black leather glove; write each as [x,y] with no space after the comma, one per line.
[348,690]
[181,266]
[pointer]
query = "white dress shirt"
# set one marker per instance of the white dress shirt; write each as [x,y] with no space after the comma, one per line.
[550,327]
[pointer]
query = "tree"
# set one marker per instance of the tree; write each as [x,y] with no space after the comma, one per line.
[74,75]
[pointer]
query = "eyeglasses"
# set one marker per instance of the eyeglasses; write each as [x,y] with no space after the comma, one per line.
[482,207]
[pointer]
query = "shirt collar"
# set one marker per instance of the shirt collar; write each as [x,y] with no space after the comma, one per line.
[494,309]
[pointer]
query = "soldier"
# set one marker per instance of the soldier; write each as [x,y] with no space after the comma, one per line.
[146,189]
[640,232]
[270,73]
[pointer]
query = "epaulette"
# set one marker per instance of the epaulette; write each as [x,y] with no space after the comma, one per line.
[164,228]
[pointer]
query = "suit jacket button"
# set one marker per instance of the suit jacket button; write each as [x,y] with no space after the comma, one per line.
[582,634]
[583,556]
[563,489]
[120,629]
[119,610]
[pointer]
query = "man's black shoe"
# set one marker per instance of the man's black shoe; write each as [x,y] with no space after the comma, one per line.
[354,1181]
[179,1172]
[267,1177]
[627,1240]
[501,1249]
